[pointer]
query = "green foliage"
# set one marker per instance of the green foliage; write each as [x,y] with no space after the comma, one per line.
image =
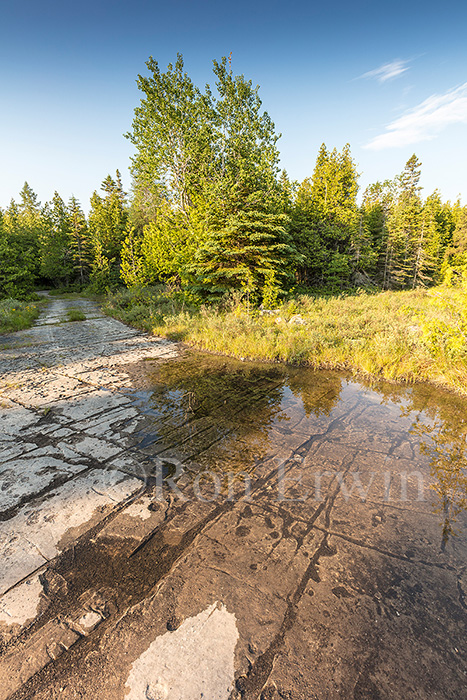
[108,219]
[453,270]
[79,240]
[445,336]
[132,269]
[74,314]
[16,315]
[20,227]
[55,243]
[100,277]
[253,247]
[170,243]
[211,215]
[270,290]
[325,221]
[171,133]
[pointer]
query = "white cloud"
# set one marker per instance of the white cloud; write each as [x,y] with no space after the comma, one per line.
[424,122]
[388,71]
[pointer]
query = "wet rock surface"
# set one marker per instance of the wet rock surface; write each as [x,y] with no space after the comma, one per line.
[195,525]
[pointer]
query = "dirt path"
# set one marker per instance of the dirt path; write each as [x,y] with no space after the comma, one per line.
[112,587]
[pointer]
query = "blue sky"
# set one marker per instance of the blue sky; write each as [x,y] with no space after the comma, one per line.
[390,79]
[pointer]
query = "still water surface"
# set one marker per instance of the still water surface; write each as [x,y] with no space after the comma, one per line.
[227,416]
[349,500]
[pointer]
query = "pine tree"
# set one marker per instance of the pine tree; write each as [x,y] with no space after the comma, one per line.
[405,229]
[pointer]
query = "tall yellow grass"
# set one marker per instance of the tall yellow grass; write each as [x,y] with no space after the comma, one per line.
[418,335]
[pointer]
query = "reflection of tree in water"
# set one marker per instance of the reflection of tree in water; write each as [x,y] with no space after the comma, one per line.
[318,390]
[441,426]
[216,412]
[217,409]
[447,449]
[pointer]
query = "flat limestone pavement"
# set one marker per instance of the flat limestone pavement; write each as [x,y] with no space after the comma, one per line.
[112,587]
[64,469]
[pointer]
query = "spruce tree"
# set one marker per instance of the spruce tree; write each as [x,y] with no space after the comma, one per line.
[405,229]
[56,259]
[108,219]
[326,219]
[80,243]
[246,254]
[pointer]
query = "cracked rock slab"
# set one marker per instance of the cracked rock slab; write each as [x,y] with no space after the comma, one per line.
[194,661]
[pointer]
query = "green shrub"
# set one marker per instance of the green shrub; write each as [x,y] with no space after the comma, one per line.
[75,315]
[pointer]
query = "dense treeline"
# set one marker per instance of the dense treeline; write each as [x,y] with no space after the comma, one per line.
[210,212]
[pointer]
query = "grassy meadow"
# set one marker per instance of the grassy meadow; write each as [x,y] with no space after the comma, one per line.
[418,335]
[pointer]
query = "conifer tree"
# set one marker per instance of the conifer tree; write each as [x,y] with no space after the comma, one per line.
[56,259]
[107,224]
[80,244]
[378,201]
[326,219]
[18,262]
[454,266]
[246,254]
[405,228]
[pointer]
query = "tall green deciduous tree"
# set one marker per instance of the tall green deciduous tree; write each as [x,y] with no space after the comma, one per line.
[247,243]
[209,157]
[245,146]
[133,266]
[172,134]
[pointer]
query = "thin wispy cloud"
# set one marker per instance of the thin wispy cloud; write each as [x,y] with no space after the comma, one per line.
[424,122]
[388,71]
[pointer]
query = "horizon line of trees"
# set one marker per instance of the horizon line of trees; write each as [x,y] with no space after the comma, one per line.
[211,212]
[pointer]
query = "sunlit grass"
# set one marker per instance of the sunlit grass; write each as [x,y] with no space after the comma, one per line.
[418,335]
[16,315]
